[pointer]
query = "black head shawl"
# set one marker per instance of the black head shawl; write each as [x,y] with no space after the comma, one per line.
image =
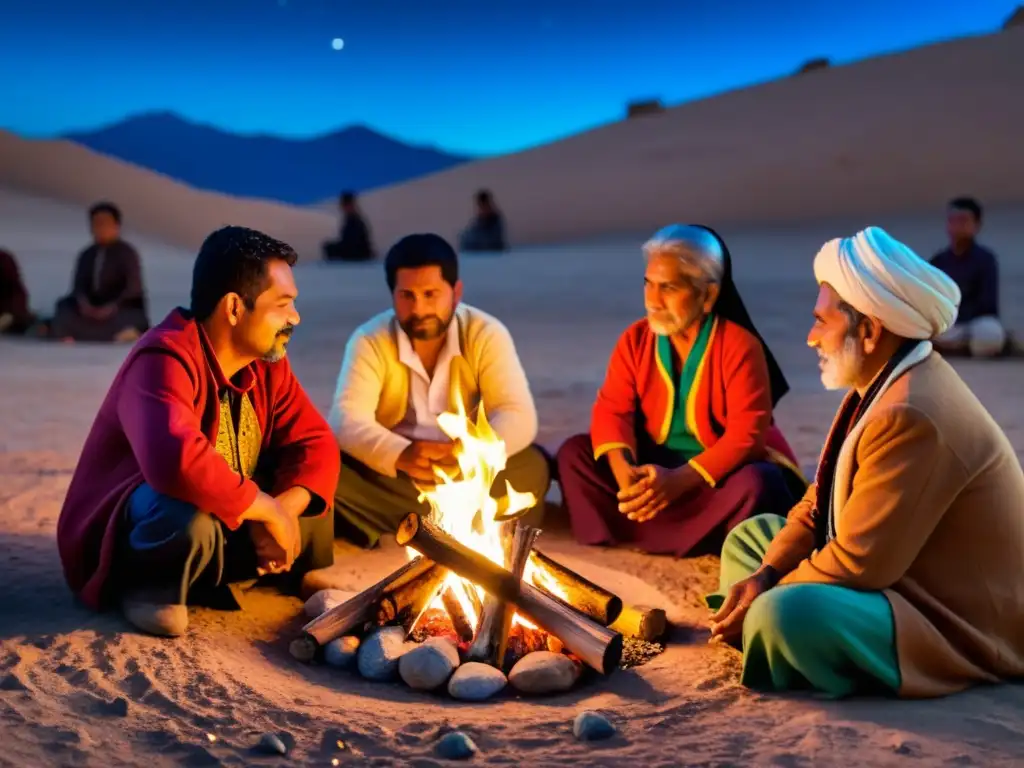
[730,306]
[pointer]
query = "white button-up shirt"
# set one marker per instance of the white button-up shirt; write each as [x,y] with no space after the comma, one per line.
[428,397]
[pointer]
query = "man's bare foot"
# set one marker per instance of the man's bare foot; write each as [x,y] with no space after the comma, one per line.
[154,618]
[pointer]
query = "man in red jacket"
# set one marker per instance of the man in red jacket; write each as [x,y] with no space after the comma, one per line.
[207,463]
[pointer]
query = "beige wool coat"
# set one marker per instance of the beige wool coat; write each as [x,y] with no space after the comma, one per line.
[929,503]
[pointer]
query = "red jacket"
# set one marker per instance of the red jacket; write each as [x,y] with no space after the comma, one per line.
[158,424]
[729,409]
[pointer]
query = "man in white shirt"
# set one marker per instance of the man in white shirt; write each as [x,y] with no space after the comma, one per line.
[404,368]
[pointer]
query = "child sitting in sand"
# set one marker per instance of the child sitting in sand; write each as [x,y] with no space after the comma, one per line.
[978,331]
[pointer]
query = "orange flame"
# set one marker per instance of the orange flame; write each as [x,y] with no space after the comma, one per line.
[461,504]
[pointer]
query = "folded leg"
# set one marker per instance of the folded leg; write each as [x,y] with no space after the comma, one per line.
[177,554]
[368,504]
[692,525]
[807,636]
[817,636]
[528,471]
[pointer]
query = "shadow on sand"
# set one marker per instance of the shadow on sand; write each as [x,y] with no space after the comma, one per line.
[36,603]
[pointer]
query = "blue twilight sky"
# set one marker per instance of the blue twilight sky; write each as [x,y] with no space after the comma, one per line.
[467,75]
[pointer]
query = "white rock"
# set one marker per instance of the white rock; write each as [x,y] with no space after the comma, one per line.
[543,672]
[592,726]
[474,681]
[324,600]
[429,665]
[380,652]
[341,652]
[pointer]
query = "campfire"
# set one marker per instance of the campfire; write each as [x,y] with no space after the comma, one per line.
[475,578]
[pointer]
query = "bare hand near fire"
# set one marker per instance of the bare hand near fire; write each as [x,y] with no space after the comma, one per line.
[727,621]
[656,488]
[269,519]
[421,456]
[270,556]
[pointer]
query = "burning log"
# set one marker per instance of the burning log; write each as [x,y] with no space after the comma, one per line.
[597,646]
[474,598]
[491,639]
[642,622]
[482,648]
[353,613]
[460,621]
[522,546]
[404,604]
[585,596]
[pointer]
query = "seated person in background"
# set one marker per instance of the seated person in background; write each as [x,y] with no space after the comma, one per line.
[682,447]
[107,300]
[207,464]
[404,368]
[15,316]
[354,242]
[900,570]
[978,330]
[487,230]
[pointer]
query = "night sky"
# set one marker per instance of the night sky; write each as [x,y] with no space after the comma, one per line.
[460,74]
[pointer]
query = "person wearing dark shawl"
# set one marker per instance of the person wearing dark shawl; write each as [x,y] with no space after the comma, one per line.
[107,300]
[15,316]
[682,446]
[486,233]
[354,242]
[207,464]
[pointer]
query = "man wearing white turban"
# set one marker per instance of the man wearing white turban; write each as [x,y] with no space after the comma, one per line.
[900,569]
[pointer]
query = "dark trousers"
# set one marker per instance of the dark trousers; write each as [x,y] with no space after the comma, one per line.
[67,322]
[696,524]
[185,556]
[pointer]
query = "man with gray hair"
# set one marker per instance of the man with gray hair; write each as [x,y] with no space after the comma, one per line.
[682,447]
[899,570]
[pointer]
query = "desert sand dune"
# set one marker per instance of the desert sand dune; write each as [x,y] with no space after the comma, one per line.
[898,133]
[151,203]
[902,132]
[82,689]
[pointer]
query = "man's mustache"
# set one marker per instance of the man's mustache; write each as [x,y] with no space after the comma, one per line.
[287,331]
[420,320]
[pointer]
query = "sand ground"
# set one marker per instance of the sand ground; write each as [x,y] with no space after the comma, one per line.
[63,669]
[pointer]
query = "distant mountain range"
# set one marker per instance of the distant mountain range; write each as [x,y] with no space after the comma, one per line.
[297,171]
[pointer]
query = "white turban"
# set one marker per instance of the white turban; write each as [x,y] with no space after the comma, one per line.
[881,277]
